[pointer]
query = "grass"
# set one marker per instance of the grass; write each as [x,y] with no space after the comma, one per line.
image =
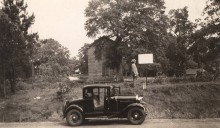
[192,100]
[182,100]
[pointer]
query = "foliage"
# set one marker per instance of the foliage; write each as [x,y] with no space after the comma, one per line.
[134,26]
[14,41]
[149,69]
[204,77]
[206,45]
[83,59]
[16,44]
[74,64]
[63,89]
[211,30]
[181,30]
[16,11]
[180,26]
[107,49]
[51,59]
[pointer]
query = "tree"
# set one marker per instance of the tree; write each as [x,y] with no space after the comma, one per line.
[181,30]
[212,20]
[17,43]
[206,45]
[17,13]
[180,26]
[74,64]
[134,26]
[6,29]
[83,59]
[210,30]
[52,59]
[12,50]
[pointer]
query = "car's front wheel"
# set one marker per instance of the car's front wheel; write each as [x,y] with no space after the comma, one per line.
[74,117]
[136,116]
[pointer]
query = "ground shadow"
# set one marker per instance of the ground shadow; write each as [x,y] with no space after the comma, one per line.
[101,122]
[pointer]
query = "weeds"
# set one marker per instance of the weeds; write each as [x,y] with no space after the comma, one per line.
[63,89]
[176,100]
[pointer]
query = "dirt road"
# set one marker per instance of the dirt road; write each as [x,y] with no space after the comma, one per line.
[149,123]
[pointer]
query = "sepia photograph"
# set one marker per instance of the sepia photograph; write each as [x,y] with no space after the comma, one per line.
[110,63]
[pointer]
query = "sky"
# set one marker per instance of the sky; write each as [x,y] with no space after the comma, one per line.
[63,20]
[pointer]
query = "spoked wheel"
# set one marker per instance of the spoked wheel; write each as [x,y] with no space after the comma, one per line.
[74,117]
[136,116]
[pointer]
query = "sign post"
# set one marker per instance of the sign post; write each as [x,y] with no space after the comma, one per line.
[145,59]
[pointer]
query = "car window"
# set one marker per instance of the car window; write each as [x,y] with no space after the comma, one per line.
[88,93]
[96,91]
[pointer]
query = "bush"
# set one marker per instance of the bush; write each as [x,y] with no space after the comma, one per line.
[63,89]
[180,79]
[23,86]
[204,77]
[158,80]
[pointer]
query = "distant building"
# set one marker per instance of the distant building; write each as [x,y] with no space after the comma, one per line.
[193,72]
[97,69]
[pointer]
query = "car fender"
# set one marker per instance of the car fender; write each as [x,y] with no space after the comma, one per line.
[72,107]
[134,105]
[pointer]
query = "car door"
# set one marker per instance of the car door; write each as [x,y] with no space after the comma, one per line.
[111,101]
[88,105]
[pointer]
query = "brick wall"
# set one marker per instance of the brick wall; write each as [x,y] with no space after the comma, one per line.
[95,67]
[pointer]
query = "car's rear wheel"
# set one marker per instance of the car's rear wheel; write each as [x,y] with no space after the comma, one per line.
[136,116]
[74,117]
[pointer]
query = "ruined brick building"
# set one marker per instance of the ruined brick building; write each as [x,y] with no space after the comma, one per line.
[97,69]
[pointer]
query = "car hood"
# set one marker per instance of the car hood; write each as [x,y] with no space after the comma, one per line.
[124,97]
[127,97]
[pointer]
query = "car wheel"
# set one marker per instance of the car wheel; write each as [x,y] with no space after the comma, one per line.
[74,117]
[136,116]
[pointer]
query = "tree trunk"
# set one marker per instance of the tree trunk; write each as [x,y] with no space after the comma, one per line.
[4,87]
[12,83]
[120,73]
[4,80]
[12,80]
[32,75]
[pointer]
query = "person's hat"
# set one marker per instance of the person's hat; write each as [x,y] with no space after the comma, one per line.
[133,60]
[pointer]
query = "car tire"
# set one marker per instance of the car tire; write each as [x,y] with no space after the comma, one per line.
[136,116]
[74,117]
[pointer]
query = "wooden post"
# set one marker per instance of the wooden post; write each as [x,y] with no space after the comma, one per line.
[4,82]
[4,88]
[146,76]
[32,74]
[145,84]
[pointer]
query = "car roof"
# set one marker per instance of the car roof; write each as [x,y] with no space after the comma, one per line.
[98,86]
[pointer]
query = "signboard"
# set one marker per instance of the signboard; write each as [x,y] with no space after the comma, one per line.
[145,58]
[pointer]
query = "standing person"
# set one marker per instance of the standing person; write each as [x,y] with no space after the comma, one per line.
[134,71]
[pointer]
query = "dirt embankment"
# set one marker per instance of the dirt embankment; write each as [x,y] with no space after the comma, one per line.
[194,100]
[189,100]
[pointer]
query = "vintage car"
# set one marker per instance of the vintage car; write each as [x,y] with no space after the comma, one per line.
[104,101]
